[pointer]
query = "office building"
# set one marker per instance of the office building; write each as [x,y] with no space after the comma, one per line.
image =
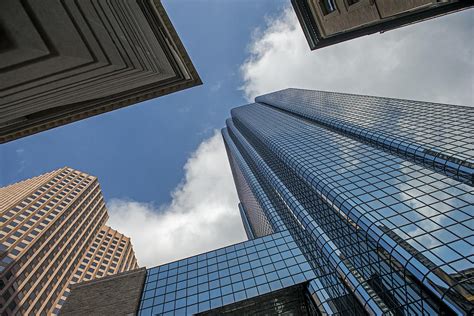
[377,191]
[83,58]
[353,205]
[328,22]
[54,235]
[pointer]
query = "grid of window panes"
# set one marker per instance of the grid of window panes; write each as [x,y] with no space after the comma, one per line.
[224,276]
[332,292]
[358,203]
[439,136]
[356,257]
[320,250]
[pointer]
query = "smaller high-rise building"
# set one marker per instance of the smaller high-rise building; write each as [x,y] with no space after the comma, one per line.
[328,22]
[53,234]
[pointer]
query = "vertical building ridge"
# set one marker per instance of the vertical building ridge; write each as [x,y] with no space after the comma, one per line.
[264,220]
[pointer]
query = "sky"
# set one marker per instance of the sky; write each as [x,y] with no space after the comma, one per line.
[161,163]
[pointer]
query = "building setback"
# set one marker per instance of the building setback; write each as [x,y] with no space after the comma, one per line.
[111,253]
[83,58]
[353,205]
[328,22]
[54,235]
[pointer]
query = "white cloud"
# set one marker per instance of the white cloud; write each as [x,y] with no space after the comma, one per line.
[202,216]
[431,61]
[216,86]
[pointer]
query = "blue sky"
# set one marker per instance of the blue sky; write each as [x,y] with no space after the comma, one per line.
[138,152]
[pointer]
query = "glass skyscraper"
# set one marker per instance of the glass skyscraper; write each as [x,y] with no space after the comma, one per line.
[352,204]
[376,192]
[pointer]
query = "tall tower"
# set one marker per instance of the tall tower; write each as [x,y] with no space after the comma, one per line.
[353,205]
[54,234]
[378,193]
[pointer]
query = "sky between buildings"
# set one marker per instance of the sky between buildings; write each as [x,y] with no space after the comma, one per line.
[162,165]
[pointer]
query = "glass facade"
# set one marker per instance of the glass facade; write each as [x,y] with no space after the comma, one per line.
[225,276]
[365,203]
[438,136]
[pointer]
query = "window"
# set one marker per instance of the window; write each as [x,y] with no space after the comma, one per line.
[327,6]
[351,2]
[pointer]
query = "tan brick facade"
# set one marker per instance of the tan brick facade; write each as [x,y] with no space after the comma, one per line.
[50,224]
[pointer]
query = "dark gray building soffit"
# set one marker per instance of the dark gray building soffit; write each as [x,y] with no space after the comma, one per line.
[77,59]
